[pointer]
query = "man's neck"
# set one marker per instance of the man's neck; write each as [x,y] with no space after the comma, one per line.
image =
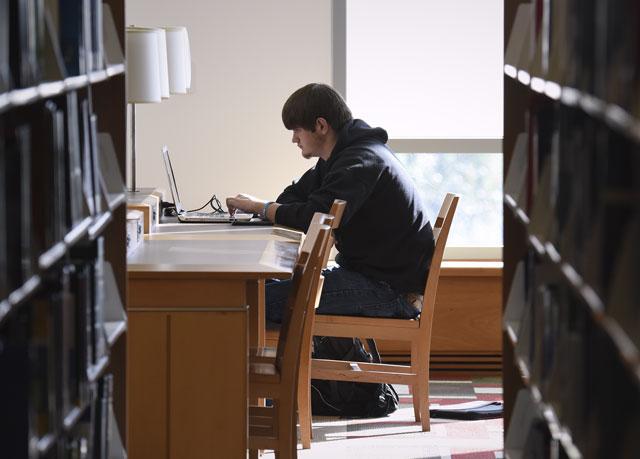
[329,145]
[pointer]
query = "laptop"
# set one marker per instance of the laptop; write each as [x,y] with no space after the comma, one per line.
[185,216]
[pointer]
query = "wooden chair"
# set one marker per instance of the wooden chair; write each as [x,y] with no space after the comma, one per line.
[274,427]
[417,331]
[267,354]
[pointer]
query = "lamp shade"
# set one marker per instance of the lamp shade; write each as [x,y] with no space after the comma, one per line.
[188,58]
[164,69]
[177,55]
[143,64]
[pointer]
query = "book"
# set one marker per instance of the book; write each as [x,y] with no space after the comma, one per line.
[14,390]
[5,72]
[71,35]
[4,266]
[518,36]
[76,211]
[113,54]
[23,53]
[111,181]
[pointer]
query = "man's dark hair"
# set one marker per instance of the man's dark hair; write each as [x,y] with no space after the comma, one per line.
[313,101]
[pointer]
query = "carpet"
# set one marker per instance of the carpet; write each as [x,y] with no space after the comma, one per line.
[399,436]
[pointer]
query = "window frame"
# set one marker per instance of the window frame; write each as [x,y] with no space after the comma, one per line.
[412,145]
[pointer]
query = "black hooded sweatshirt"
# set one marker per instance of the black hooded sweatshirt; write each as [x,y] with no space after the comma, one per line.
[385,233]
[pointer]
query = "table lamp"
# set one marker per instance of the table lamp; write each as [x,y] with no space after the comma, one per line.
[145,75]
[179,59]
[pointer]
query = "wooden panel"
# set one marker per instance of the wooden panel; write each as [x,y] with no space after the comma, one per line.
[147,385]
[467,317]
[187,384]
[163,293]
[208,385]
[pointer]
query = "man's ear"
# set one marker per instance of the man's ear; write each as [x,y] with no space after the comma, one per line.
[322,126]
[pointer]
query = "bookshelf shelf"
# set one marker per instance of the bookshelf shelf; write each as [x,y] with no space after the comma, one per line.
[51,256]
[99,224]
[77,232]
[46,443]
[518,213]
[615,116]
[74,416]
[25,96]
[20,295]
[114,330]
[95,371]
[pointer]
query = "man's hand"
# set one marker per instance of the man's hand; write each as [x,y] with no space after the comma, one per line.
[245,203]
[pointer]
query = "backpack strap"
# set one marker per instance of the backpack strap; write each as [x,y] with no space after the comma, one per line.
[374,350]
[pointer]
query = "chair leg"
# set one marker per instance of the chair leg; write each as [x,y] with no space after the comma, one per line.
[304,411]
[423,388]
[304,397]
[414,389]
[287,435]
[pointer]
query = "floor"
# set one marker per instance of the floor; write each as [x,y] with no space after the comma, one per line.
[399,436]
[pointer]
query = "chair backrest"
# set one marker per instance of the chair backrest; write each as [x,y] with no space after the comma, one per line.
[336,211]
[440,234]
[302,296]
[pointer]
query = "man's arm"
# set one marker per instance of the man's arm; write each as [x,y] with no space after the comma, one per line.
[253,205]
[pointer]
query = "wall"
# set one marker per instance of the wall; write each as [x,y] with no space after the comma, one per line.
[227,136]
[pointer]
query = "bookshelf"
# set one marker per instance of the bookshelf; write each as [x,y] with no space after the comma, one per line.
[62,229]
[571,329]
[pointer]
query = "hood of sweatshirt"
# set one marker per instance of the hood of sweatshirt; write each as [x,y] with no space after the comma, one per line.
[357,132]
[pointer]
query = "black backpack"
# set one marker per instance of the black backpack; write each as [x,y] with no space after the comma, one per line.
[345,398]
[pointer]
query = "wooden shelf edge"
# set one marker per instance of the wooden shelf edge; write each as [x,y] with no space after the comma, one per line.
[613,115]
[95,371]
[19,296]
[52,255]
[99,225]
[114,330]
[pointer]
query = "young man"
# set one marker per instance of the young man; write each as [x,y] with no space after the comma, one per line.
[385,241]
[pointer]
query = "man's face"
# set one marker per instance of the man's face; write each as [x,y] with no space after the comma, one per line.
[309,142]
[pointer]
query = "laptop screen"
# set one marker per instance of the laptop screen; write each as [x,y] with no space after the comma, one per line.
[171,178]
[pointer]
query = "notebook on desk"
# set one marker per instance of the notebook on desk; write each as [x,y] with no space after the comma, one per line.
[185,216]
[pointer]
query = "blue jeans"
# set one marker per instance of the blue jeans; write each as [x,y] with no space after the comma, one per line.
[346,293]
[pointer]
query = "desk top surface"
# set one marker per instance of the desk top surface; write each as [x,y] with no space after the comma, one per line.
[217,251]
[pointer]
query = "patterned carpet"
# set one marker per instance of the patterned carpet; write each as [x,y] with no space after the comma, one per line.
[399,436]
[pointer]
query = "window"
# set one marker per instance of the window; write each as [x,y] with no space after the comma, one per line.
[430,73]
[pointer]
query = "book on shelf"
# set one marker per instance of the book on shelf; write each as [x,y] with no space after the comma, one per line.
[624,297]
[72,36]
[525,412]
[51,59]
[558,43]
[4,266]
[14,390]
[113,54]
[113,307]
[43,379]
[518,37]
[76,202]
[23,53]
[70,355]
[516,301]
[20,254]
[514,184]
[97,49]
[87,167]
[5,74]
[100,346]
[111,180]
[96,186]
[82,291]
